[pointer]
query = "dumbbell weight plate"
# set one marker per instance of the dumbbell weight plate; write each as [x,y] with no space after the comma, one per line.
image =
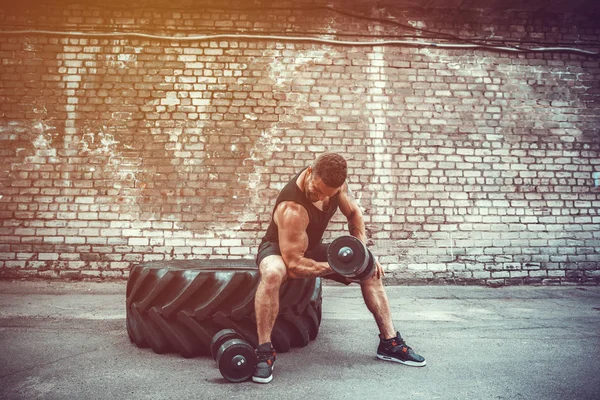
[369,271]
[348,256]
[221,337]
[236,360]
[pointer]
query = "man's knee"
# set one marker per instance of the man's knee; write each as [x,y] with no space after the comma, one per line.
[372,282]
[273,271]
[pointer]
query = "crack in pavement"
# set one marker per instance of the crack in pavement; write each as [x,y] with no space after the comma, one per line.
[48,363]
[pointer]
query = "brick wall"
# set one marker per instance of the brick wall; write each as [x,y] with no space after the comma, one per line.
[471,165]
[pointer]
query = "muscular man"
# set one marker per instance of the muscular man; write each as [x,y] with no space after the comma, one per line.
[292,248]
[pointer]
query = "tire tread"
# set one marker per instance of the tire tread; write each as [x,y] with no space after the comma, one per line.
[178,307]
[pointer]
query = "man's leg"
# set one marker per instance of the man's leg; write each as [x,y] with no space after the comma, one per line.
[377,302]
[391,345]
[266,302]
[266,306]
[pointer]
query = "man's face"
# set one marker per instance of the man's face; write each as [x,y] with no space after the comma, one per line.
[316,190]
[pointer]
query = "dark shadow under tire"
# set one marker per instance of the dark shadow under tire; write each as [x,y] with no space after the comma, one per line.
[177,306]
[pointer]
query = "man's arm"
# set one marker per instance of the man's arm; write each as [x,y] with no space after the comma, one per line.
[349,207]
[356,223]
[292,219]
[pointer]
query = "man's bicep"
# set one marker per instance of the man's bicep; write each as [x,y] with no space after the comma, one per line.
[292,221]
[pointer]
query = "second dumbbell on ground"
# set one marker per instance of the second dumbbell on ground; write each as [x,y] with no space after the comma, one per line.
[235,358]
[349,257]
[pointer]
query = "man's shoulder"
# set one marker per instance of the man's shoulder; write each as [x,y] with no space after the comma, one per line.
[290,206]
[290,212]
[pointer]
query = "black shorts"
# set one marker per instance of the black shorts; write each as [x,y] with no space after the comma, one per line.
[319,253]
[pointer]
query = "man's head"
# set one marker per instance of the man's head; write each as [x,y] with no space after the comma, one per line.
[326,176]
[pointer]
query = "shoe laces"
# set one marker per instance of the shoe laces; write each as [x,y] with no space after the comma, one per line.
[399,342]
[266,356]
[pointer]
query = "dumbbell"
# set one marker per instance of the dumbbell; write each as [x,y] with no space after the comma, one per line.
[349,257]
[235,358]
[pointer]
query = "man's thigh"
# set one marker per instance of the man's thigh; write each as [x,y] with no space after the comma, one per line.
[269,260]
[267,250]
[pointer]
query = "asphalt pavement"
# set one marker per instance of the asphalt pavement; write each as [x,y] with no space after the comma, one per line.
[61,340]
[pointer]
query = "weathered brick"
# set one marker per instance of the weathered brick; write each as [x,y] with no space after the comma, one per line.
[180,150]
[138,242]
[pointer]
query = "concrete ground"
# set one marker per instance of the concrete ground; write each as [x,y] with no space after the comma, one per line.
[68,341]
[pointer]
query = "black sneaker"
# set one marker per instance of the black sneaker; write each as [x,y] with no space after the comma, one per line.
[395,349]
[265,357]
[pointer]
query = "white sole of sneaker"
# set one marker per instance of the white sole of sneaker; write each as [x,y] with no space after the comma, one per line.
[264,380]
[409,363]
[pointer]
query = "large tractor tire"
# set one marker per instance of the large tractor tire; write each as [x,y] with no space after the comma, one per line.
[178,306]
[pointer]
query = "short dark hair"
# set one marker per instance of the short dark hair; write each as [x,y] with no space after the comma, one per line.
[332,169]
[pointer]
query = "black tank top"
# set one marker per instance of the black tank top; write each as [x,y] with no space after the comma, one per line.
[317,219]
